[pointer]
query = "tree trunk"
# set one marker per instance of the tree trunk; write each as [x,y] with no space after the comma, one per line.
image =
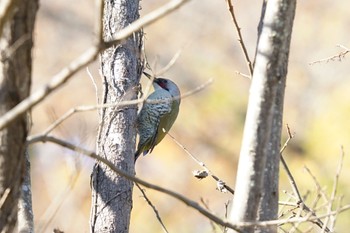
[25,208]
[15,78]
[121,71]
[256,196]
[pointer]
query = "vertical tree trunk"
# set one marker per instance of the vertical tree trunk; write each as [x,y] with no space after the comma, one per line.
[15,77]
[256,196]
[121,70]
[268,206]
[25,208]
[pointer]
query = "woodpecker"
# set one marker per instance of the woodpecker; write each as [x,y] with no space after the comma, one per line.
[155,119]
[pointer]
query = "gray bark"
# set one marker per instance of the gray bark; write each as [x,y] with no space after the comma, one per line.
[25,208]
[256,196]
[121,71]
[15,77]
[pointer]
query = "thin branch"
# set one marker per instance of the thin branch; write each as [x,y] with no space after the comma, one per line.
[153,207]
[173,194]
[335,216]
[194,91]
[83,60]
[226,214]
[336,177]
[240,38]
[4,197]
[287,203]
[316,201]
[291,179]
[72,111]
[145,21]
[334,189]
[318,186]
[170,64]
[203,165]
[243,75]
[183,96]
[340,210]
[284,204]
[338,57]
[285,166]
[205,204]
[56,82]
[298,214]
[51,211]
[94,84]
[144,94]
[185,200]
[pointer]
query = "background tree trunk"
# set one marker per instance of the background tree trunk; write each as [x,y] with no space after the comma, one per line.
[15,78]
[256,196]
[121,70]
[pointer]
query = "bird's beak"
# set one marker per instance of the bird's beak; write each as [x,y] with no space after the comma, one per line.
[150,77]
[147,75]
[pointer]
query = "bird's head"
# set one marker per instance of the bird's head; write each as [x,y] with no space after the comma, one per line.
[165,84]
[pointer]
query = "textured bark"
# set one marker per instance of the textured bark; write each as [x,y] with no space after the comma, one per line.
[25,208]
[121,70]
[256,196]
[15,78]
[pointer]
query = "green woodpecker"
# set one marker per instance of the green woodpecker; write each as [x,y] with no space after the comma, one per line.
[155,119]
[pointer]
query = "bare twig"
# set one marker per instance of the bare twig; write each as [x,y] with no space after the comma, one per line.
[316,200]
[336,177]
[51,211]
[239,35]
[173,194]
[4,197]
[94,84]
[308,218]
[205,204]
[202,165]
[84,59]
[170,64]
[318,186]
[185,95]
[226,214]
[152,206]
[285,166]
[334,190]
[56,82]
[243,75]
[287,203]
[332,224]
[338,57]
[291,179]
[298,213]
[197,89]
[72,111]
[284,204]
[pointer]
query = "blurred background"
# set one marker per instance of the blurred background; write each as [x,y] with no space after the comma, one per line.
[210,123]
